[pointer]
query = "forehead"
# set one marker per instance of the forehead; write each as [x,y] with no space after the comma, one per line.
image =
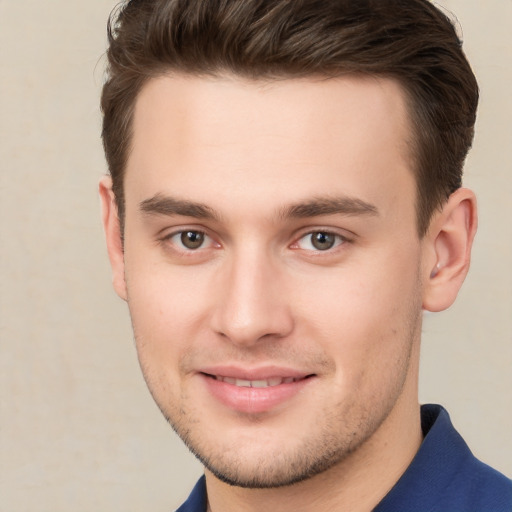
[217,138]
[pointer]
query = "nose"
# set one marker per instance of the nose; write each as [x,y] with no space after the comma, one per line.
[252,303]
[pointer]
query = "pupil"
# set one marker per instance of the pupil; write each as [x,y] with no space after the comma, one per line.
[192,239]
[322,241]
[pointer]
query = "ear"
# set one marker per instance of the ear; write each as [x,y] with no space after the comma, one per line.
[112,228]
[449,241]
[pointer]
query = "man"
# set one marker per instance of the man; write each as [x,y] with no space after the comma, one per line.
[285,200]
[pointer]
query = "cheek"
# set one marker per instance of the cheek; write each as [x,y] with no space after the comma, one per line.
[162,326]
[166,309]
[365,314]
[163,294]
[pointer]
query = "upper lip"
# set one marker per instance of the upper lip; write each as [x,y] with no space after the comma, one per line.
[260,373]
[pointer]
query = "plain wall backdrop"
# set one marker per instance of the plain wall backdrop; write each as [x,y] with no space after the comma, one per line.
[78,428]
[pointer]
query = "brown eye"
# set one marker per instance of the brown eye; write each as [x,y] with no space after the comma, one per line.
[192,239]
[322,241]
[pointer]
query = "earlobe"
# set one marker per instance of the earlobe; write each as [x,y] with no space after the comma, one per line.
[450,239]
[113,236]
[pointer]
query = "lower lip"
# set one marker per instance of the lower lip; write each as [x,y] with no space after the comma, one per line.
[253,400]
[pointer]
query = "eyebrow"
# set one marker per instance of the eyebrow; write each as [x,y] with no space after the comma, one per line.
[169,206]
[329,206]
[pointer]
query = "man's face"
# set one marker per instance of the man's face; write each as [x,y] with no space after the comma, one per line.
[272,268]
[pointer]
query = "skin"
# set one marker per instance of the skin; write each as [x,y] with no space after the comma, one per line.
[255,171]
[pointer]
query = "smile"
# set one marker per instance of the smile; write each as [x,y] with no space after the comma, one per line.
[240,391]
[263,383]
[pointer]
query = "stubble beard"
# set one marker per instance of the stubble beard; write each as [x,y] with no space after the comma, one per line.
[284,467]
[346,428]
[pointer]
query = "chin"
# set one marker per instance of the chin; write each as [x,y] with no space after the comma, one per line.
[270,475]
[264,463]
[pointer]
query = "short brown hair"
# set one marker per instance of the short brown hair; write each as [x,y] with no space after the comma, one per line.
[410,41]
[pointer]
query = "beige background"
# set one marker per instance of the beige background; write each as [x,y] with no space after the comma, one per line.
[78,428]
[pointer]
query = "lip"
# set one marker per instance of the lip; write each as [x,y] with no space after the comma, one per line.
[254,400]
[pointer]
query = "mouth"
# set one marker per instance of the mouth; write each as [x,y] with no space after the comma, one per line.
[257,383]
[254,394]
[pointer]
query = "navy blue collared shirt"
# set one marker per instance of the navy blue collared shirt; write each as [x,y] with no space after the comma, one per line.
[444,476]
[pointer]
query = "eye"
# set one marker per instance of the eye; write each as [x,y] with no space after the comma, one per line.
[190,239]
[319,241]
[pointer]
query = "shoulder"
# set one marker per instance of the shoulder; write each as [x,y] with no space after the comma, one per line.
[446,476]
[470,484]
[478,487]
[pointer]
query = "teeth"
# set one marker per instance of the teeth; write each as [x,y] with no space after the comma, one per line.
[264,383]
[259,384]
